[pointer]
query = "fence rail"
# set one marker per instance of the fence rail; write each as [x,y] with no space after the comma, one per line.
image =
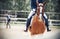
[23,20]
[21,16]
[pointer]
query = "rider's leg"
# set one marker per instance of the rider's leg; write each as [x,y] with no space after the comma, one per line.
[28,23]
[46,22]
[29,19]
[9,24]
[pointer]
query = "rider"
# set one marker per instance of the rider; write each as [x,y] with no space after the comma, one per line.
[33,9]
[8,21]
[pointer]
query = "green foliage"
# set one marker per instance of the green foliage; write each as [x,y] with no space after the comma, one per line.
[51,5]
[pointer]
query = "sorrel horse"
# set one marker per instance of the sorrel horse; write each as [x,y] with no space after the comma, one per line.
[37,23]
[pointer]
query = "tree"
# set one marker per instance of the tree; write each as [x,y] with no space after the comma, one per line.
[5,4]
[57,8]
[3,1]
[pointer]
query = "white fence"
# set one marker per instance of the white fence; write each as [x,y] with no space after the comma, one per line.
[53,17]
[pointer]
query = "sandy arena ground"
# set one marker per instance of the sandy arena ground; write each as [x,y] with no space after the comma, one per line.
[17,32]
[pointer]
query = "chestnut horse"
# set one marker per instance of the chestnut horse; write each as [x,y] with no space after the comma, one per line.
[37,25]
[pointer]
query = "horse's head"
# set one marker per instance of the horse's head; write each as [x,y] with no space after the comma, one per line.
[40,8]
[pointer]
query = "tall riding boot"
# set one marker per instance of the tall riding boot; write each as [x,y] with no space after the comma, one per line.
[27,24]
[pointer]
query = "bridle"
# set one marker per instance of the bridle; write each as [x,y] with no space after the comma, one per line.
[38,8]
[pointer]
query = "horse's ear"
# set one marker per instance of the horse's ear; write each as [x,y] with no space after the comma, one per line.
[37,3]
[44,3]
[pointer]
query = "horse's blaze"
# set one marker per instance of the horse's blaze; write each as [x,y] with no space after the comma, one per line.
[37,26]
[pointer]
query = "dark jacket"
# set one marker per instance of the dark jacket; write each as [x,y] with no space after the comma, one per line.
[33,3]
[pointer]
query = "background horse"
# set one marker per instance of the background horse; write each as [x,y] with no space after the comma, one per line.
[37,25]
